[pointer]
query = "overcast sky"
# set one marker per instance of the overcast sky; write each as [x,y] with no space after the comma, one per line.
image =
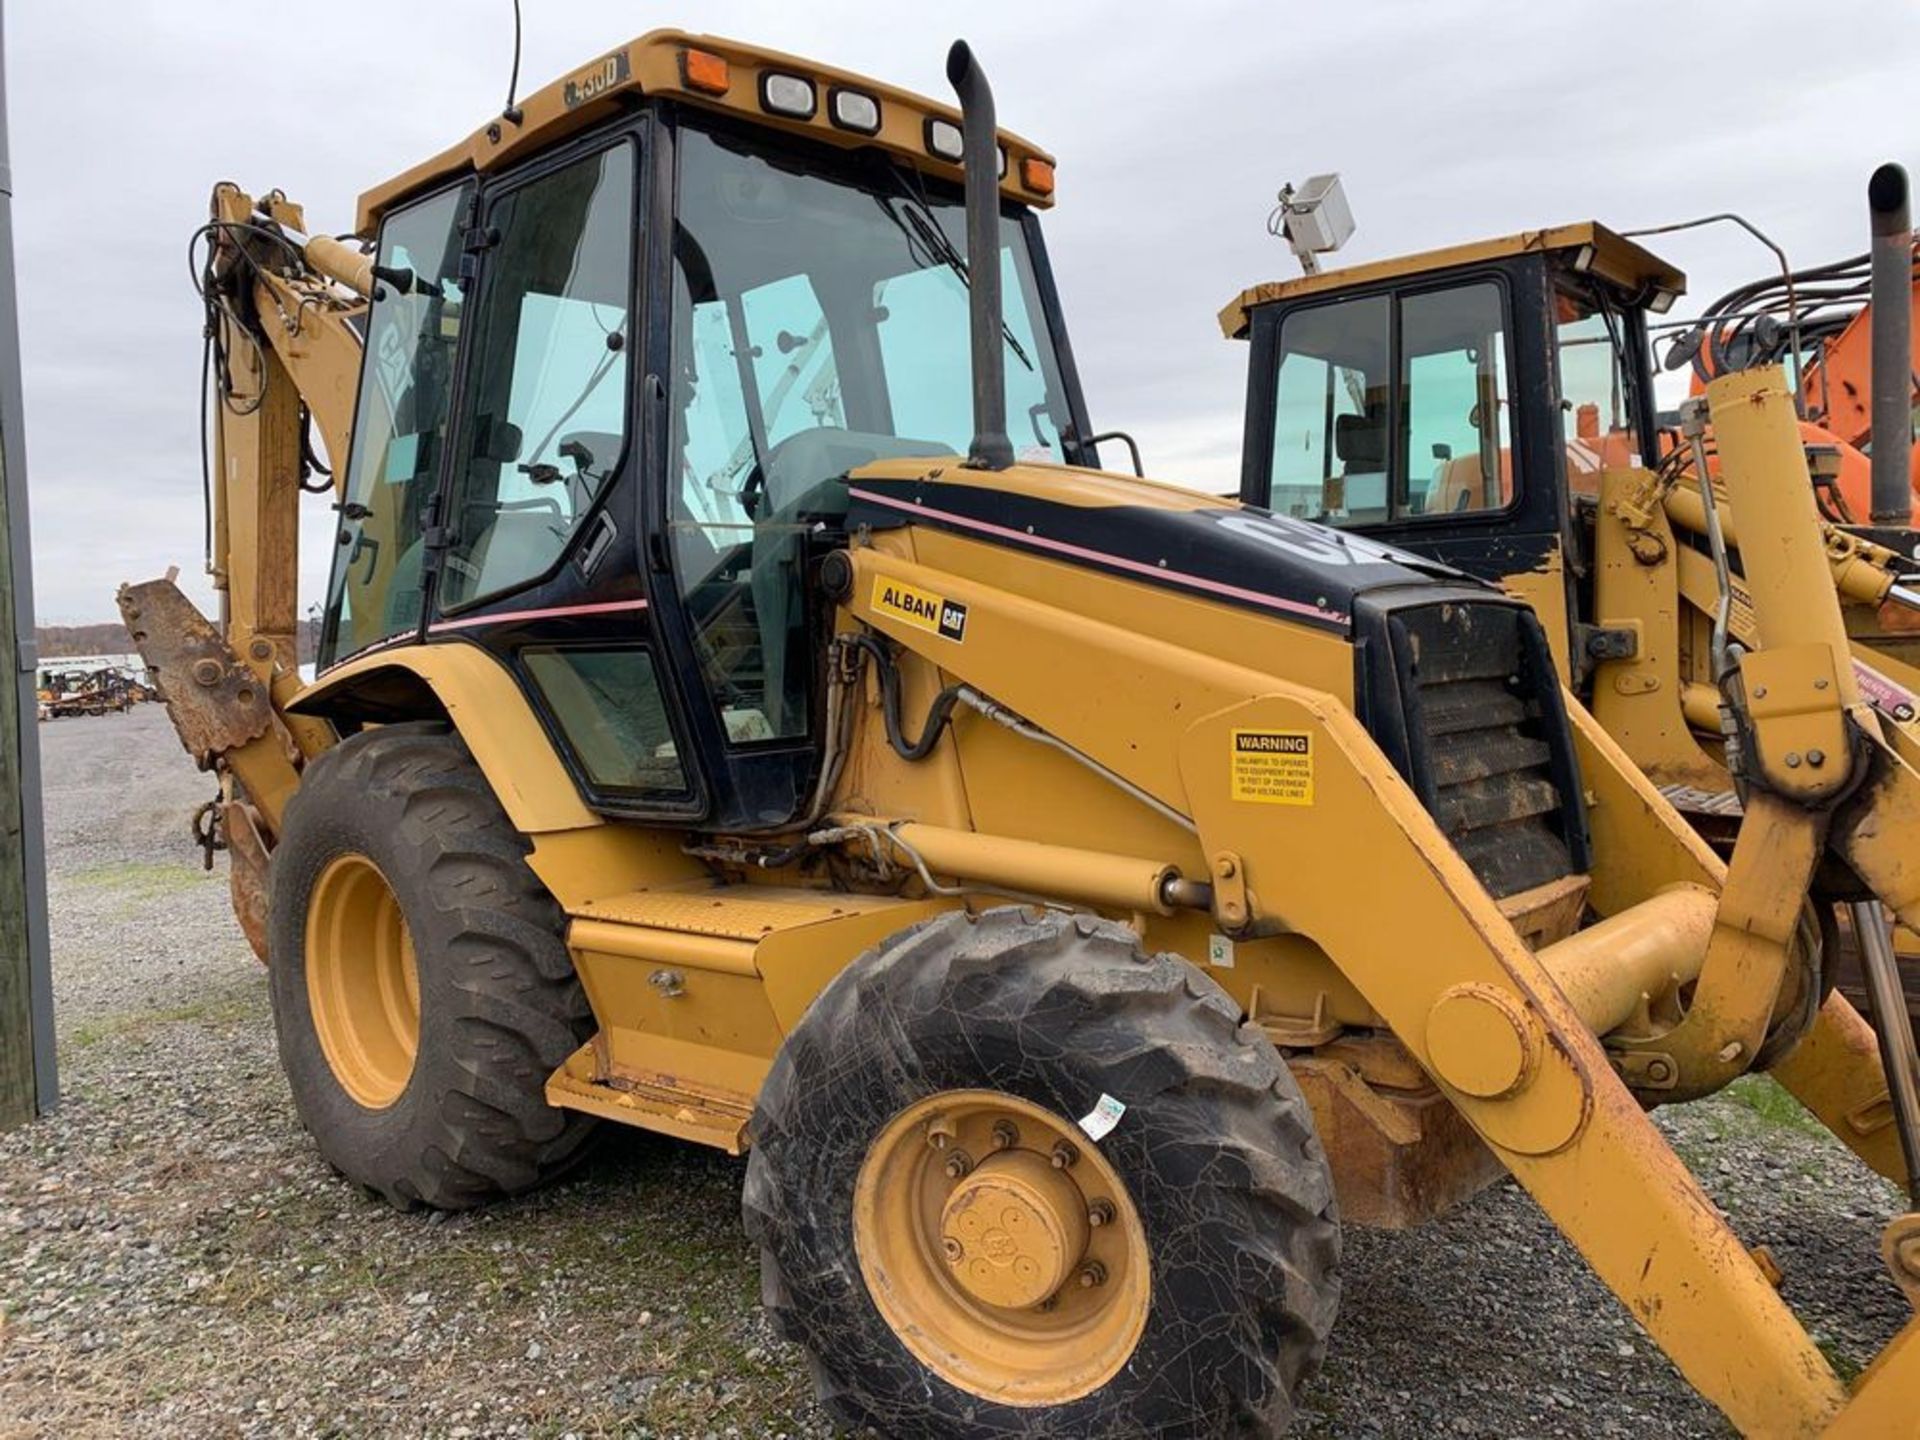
[1174,124]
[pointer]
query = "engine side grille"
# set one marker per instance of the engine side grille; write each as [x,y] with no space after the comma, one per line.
[1487,744]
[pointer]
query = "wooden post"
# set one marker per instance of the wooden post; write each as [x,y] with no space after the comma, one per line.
[27,1085]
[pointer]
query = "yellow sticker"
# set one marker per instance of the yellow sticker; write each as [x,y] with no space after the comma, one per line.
[920,608]
[1273,767]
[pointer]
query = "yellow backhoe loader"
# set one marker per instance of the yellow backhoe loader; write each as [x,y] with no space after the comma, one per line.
[1492,406]
[1079,896]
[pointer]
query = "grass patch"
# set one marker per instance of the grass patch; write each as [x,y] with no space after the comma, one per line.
[1844,1365]
[1762,1095]
[225,1010]
[135,885]
[142,879]
[1753,1108]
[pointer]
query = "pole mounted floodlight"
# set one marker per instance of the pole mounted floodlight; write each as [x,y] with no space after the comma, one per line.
[1314,219]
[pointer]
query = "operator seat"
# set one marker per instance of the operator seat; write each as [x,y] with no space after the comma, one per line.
[1360,443]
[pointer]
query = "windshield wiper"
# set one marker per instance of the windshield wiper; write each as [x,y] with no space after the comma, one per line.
[918,214]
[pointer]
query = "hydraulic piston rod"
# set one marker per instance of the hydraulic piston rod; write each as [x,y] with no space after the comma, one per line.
[1894,1026]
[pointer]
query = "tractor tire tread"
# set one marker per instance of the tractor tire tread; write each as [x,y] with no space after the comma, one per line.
[513,1008]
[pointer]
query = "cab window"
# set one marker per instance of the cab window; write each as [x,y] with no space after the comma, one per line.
[1456,426]
[546,426]
[1331,412]
[1595,412]
[1391,408]
[406,380]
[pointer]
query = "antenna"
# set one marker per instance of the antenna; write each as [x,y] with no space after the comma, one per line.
[511,114]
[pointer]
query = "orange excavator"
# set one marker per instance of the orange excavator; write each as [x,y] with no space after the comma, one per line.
[1820,323]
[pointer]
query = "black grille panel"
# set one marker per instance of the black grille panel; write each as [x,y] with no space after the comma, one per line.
[1482,737]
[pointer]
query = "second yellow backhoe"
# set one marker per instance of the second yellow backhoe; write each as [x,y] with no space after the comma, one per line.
[1492,406]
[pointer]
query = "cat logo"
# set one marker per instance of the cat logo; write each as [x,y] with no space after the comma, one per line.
[921,609]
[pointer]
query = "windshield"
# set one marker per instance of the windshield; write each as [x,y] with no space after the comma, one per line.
[1598,420]
[1394,408]
[819,323]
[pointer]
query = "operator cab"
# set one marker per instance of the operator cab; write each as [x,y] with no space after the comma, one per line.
[619,364]
[1459,403]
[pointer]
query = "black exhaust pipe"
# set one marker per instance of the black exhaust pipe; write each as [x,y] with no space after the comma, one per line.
[1892,347]
[991,450]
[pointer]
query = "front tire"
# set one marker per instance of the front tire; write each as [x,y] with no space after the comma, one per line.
[943,1276]
[422,993]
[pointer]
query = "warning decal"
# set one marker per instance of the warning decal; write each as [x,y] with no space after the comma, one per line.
[921,608]
[1273,767]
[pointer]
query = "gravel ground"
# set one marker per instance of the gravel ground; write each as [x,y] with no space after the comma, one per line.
[175,1260]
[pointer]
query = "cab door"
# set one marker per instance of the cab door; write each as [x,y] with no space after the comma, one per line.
[534,553]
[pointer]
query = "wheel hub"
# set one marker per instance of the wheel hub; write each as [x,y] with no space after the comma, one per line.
[1014,1230]
[362,984]
[1021,1275]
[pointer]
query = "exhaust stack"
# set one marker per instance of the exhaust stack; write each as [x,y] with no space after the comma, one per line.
[1892,346]
[991,449]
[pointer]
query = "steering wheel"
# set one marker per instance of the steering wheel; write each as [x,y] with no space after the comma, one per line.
[754,488]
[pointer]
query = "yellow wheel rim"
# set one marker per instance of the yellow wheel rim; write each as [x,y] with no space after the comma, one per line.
[1002,1248]
[362,985]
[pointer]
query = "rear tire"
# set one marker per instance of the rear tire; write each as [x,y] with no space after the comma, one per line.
[422,993]
[1215,1152]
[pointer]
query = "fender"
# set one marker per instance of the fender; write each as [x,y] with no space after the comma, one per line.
[486,707]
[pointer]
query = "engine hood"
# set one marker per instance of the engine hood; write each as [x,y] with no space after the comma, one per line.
[1160,534]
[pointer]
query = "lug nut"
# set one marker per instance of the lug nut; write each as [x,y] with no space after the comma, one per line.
[1099,1213]
[1064,1154]
[1005,1136]
[954,1250]
[1091,1274]
[958,1164]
